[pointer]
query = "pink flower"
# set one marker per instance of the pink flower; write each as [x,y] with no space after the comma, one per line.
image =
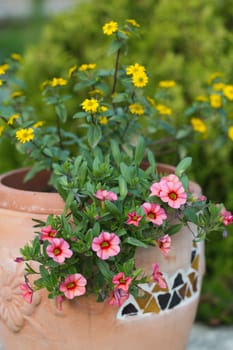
[27,292]
[158,276]
[106,245]
[59,301]
[118,297]
[226,216]
[164,244]
[121,282]
[59,250]
[103,195]
[48,233]
[19,259]
[74,285]
[155,189]
[133,219]
[172,191]
[154,213]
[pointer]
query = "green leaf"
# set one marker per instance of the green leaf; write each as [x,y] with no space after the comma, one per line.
[140,150]
[61,112]
[135,242]
[114,46]
[183,165]
[112,208]
[116,152]
[94,135]
[122,187]
[174,229]
[104,269]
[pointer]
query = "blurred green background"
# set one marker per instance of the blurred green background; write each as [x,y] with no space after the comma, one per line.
[182,40]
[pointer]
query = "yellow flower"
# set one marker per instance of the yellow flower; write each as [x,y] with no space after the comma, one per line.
[230,132]
[1,82]
[218,86]
[12,118]
[1,129]
[25,135]
[198,125]
[201,98]
[151,101]
[133,22]
[4,68]
[58,82]
[213,76]
[16,57]
[164,110]
[215,101]
[110,28]
[103,109]
[90,105]
[136,108]
[167,84]
[103,120]
[86,66]
[38,124]
[72,70]
[16,94]
[140,79]
[228,92]
[134,69]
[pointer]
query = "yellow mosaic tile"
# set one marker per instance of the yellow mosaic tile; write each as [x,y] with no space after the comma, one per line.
[152,307]
[195,263]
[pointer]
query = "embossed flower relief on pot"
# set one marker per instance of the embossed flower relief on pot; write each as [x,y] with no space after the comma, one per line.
[13,312]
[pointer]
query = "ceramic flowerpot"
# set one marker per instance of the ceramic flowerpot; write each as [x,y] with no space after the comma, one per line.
[161,320]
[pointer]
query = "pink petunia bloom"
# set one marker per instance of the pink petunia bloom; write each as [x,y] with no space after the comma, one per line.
[73,286]
[106,245]
[59,250]
[158,276]
[118,297]
[154,213]
[172,191]
[226,216]
[27,292]
[121,282]
[133,219]
[164,244]
[106,195]
[155,189]
[48,233]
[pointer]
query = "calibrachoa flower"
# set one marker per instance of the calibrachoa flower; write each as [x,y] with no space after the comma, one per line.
[164,244]
[59,250]
[158,276]
[106,245]
[110,28]
[25,135]
[106,195]
[90,105]
[26,292]
[172,192]
[227,216]
[74,285]
[118,297]
[48,233]
[122,282]
[133,219]
[154,213]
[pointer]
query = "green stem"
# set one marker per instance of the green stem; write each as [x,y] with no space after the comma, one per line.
[116,71]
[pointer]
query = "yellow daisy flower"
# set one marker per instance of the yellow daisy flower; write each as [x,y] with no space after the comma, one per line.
[86,66]
[103,109]
[215,101]
[90,105]
[167,84]
[1,129]
[4,68]
[214,76]
[228,92]
[164,110]
[16,57]
[38,124]
[16,94]
[134,69]
[58,82]
[218,86]
[1,82]
[25,135]
[230,132]
[136,108]
[140,79]
[201,98]
[110,28]
[133,23]
[103,120]
[72,70]
[12,118]
[198,125]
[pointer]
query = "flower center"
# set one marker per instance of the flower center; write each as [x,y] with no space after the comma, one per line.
[122,281]
[52,234]
[105,245]
[71,285]
[172,195]
[151,215]
[57,251]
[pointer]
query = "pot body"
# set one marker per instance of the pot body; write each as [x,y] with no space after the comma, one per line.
[161,319]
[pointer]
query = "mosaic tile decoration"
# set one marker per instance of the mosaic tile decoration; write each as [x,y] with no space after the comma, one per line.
[180,289]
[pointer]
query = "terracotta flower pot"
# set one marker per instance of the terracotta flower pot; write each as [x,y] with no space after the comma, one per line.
[162,319]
